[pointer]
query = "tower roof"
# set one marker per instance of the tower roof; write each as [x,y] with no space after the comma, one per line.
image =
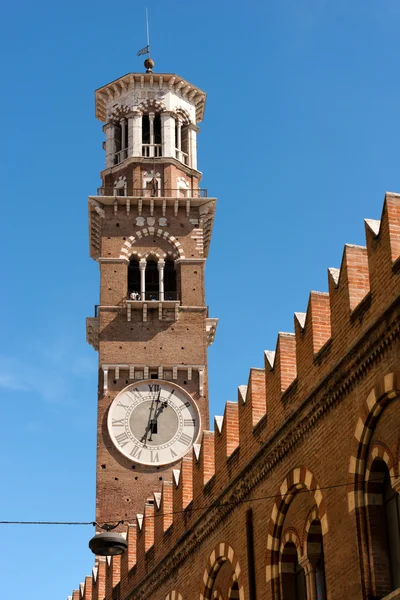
[175,83]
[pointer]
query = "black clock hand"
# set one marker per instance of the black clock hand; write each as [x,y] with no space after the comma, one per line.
[153,421]
[149,424]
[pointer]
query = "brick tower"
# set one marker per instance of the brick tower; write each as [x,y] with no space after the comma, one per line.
[150,227]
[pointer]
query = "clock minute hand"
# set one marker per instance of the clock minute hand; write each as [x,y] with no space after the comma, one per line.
[153,421]
[149,424]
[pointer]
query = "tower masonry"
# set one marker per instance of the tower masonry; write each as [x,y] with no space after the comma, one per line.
[150,227]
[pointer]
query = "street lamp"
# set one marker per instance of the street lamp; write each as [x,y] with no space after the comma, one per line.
[108,543]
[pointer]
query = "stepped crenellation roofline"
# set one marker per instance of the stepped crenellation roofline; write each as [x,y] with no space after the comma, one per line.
[173,82]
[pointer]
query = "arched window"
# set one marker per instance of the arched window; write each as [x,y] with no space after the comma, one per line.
[152,281]
[120,141]
[384,529]
[145,129]
[181,142]
[157,130]
[185,144]
[133,276]
[151,135]
[315,554]
[170,291]
[292,574]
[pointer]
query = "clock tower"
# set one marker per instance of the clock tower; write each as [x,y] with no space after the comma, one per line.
[150,226]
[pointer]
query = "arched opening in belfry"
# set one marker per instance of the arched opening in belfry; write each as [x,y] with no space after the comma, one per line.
[152,281]
[157,129]
[384,529]
[145,129]
[120,141]
[151,135]
[292,574]
[170,290]
[185,144]
[133,276]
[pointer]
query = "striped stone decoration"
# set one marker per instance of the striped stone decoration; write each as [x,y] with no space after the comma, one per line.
[386,389]
[126,250]
[313,515]
[174,595]
[221,553]
[298,479]
[233,593]
[289,536]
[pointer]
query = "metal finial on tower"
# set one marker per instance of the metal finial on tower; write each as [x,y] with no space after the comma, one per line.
[149,62]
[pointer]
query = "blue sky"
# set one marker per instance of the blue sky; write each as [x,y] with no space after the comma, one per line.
[299,143]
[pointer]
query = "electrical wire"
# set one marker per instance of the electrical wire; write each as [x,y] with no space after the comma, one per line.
[176,512]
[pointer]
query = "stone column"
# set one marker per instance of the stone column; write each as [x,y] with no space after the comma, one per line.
[123,139]
[168,134]
[142,267]
[160,266]
[179,138]
[109,131]
[192,147]
[151,120]
[135,135]
[311,583]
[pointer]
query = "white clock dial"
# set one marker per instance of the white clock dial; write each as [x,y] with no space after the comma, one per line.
[153,422]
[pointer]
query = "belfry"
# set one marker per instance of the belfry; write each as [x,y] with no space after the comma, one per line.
[150,226]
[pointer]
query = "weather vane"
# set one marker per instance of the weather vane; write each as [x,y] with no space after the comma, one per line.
[149,62]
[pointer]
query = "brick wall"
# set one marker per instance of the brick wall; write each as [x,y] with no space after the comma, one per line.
[297,448]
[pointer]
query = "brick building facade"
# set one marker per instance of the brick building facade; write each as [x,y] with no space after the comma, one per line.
[295,493]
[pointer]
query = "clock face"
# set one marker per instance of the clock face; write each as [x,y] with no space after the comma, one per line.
[153,422]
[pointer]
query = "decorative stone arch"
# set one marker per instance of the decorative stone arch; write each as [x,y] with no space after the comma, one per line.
[119,112]
[381,451]
[151,105]
[386,389]
[298,479]
[155,255]
[221,553]
[291,535]
[174,595]
[126,250]
[136,255]
[233,592]
[183,114]
[311,517]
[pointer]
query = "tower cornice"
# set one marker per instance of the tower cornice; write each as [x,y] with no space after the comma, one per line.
[150,162]
[154,81]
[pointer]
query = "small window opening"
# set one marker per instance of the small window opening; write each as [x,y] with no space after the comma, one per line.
[133,279]
[157,129]
[145,129]
[384,529]
[293,576]
[185,144]
[152,280]
[170,290]
[120,141]
[316,556]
